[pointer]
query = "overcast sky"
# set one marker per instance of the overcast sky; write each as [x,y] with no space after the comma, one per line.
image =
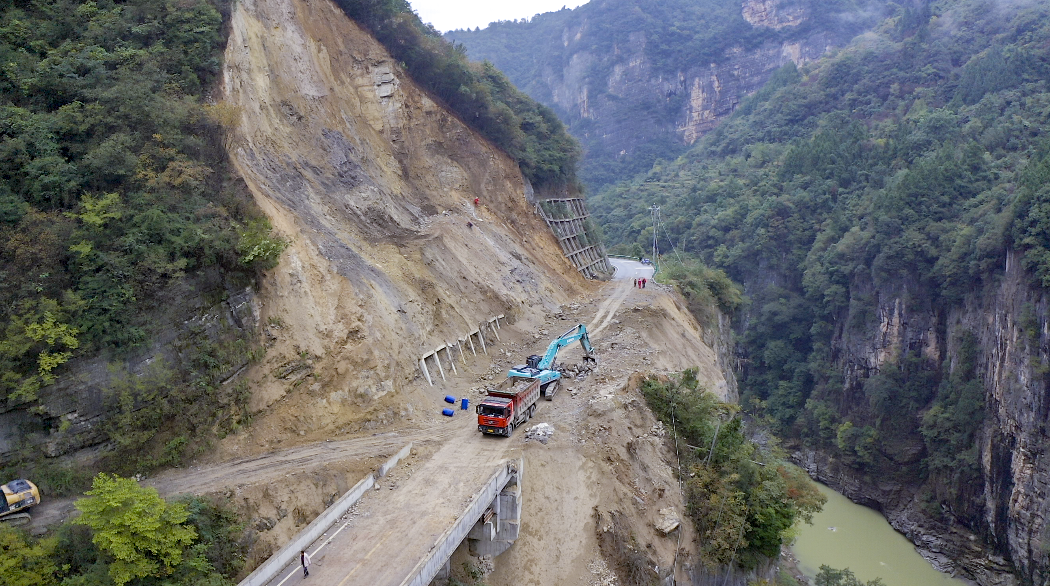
[447,15]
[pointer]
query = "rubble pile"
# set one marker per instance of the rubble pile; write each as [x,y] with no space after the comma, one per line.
[540,432]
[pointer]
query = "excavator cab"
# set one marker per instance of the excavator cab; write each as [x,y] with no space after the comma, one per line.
[533,361]
[15,499]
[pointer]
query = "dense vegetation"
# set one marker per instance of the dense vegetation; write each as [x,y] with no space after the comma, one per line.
[831,577]
[743,499]
[127,534]
[674,36]
[477,92]
[906,166]
[115,204]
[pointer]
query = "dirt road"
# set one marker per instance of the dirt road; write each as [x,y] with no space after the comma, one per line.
[603,457]
[624,278]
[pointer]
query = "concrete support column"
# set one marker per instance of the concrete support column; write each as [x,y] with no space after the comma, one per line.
[426,373]
[437,358]
[451,360]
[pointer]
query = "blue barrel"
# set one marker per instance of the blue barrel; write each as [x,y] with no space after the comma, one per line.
[464,403]
[447,412]
[450,399]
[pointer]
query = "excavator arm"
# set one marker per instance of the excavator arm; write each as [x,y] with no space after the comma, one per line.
[543,368]
[576,333]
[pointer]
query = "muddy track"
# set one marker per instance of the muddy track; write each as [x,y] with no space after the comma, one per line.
[261,469]
[268,467]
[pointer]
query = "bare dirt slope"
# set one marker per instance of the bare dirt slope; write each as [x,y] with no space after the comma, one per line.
[593,493]
[373,184]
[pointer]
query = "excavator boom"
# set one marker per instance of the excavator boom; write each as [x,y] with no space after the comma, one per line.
[544,369]
[576,333]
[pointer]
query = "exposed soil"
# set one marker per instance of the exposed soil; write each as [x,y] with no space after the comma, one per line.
[372,184]
[607,458]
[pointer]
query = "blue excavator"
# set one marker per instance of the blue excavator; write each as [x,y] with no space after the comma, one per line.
[547,371]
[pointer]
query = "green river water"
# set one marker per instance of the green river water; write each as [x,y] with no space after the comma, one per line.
[847,535]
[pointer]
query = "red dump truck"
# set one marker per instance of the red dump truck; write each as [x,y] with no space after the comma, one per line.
[507,406]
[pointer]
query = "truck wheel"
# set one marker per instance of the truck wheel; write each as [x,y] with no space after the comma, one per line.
[510,429]
[532,410]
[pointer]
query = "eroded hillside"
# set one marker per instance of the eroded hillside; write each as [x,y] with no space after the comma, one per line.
[374,184]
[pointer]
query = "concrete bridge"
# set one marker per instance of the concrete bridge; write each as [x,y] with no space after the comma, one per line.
[404,535]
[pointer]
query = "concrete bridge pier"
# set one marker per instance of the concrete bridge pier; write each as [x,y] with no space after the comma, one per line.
[444,573]
[498,527]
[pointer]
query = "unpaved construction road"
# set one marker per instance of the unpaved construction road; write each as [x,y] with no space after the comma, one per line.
[268,467]
[583,468]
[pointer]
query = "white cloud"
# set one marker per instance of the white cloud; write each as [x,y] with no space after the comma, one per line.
[447,15]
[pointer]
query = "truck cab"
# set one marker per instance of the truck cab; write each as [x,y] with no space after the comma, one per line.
[511,403]
[495,415]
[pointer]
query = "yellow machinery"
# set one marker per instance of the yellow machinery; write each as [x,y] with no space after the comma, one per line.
[19,496]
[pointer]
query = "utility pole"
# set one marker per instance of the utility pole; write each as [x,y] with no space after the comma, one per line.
[655,211]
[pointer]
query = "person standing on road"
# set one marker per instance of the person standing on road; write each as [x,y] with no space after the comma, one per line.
[636,281]
[304,559]
[644,280]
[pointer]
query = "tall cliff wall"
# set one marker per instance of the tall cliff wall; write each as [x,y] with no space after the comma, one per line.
[629,107]
[997,532]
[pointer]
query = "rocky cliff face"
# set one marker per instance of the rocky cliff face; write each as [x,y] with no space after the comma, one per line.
[1005,530]
[636,101]
[374,185]
[628,107]
[774,14]
[72,413]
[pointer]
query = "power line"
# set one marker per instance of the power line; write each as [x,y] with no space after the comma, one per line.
[654,210]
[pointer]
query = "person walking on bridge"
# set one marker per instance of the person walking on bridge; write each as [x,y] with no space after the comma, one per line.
[304,559]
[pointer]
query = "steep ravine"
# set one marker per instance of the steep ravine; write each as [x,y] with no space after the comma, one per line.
[1003,540]
[628,109]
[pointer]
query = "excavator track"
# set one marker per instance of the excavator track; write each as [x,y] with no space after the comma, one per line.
[17,519]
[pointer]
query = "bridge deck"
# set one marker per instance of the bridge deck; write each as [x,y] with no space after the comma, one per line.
[395,529]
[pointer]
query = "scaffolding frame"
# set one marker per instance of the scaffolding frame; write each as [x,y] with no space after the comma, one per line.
[569,227]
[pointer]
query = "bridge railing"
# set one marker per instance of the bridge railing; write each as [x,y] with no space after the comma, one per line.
[290,552]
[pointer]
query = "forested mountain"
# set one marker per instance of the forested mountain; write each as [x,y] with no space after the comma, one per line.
[886,212]
[640,80]
[118,214]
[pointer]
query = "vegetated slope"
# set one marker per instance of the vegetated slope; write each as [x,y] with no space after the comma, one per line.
[638,81]
[373,183]
[885,210]
[119,226]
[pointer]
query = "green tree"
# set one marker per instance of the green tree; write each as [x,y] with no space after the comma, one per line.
[742,497]
[258,247]
[23,563]
[829,576]
[37,340]
[141,533]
